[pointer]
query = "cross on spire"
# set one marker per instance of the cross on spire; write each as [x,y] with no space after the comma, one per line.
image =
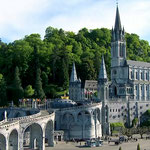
[117,2]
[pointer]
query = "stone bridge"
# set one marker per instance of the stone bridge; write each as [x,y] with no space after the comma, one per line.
[40,127]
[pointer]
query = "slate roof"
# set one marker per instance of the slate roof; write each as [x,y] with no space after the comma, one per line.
[90,84]
[73,77]
[117,21]
[102,73]
[138,63]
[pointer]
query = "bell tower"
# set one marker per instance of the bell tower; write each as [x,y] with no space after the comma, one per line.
[118,43]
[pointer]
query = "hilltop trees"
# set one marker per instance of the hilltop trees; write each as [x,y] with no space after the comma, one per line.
[46,64]
[3,97]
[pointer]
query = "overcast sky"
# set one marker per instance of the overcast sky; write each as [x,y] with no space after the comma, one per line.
[24,17]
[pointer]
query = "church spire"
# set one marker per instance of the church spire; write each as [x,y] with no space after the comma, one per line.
[117,21]
[73,77]
[102,73]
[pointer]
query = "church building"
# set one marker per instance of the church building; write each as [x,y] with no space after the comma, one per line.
[127,95]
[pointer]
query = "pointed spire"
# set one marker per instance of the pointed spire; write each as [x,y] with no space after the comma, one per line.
[102,73]
[73,77]
[117,21]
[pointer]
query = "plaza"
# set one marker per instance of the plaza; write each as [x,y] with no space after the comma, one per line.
[144,145]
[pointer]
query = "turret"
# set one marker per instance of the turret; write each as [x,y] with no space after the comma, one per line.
[102,74]
[73,77]
[102,82]
[74,85]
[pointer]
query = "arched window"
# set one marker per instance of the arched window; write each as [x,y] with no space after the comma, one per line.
[121,50]
[114,51]
[141,75]
[115,91]
[136,75]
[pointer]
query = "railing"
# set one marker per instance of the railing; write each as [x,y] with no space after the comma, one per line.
[9,125]
[2,122]
[79,107]
[20,120]
[25,117]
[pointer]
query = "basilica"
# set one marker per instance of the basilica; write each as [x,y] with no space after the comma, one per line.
[127,95]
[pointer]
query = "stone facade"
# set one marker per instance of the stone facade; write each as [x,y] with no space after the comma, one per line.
[80,122]
[127,95]
[15,133]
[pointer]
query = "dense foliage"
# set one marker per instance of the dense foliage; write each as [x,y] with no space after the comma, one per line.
[44,65]
[145,118]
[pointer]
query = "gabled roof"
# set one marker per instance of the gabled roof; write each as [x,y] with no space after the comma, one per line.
[137,63]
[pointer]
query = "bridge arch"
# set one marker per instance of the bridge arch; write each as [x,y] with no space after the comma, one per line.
[68,118]
[2,142]
[13,140]
[33,136]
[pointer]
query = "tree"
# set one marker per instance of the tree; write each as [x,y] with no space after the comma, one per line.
[128,132]
[116,126]
[138,146]
[135,122]
[65,76]
[29,91]
[15,90]
[120,148]
[39,93]
[142,130]
[3,96]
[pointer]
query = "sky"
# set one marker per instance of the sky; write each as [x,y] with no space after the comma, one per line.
[19,18]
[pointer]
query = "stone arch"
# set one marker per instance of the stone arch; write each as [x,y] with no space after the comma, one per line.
[68,118]
[2,142]
[13,140]
[49,129]
[33,136]
[84,121]
[83,116]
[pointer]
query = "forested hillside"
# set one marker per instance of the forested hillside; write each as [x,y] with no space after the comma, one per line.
[32,67]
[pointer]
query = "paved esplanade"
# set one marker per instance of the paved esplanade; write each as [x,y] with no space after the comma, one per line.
[40,126]
[144,145]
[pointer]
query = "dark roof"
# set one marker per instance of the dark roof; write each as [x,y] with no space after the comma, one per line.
[138,63]
[117,21]
[90,84]
[102,73]
[73,77]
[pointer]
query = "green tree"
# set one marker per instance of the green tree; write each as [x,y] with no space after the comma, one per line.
[65,76]
[120,148]
[39,93]
[142,130]
[138,146]
[3,96]
[29,91]
[15,91]
[135,122]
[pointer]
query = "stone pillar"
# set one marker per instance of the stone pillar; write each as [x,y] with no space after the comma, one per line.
[7,143]
[144,92]
[20,139]
[51,139]
[135,92]
[139,92]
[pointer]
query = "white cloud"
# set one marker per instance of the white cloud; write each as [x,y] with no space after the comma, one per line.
[23,17]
